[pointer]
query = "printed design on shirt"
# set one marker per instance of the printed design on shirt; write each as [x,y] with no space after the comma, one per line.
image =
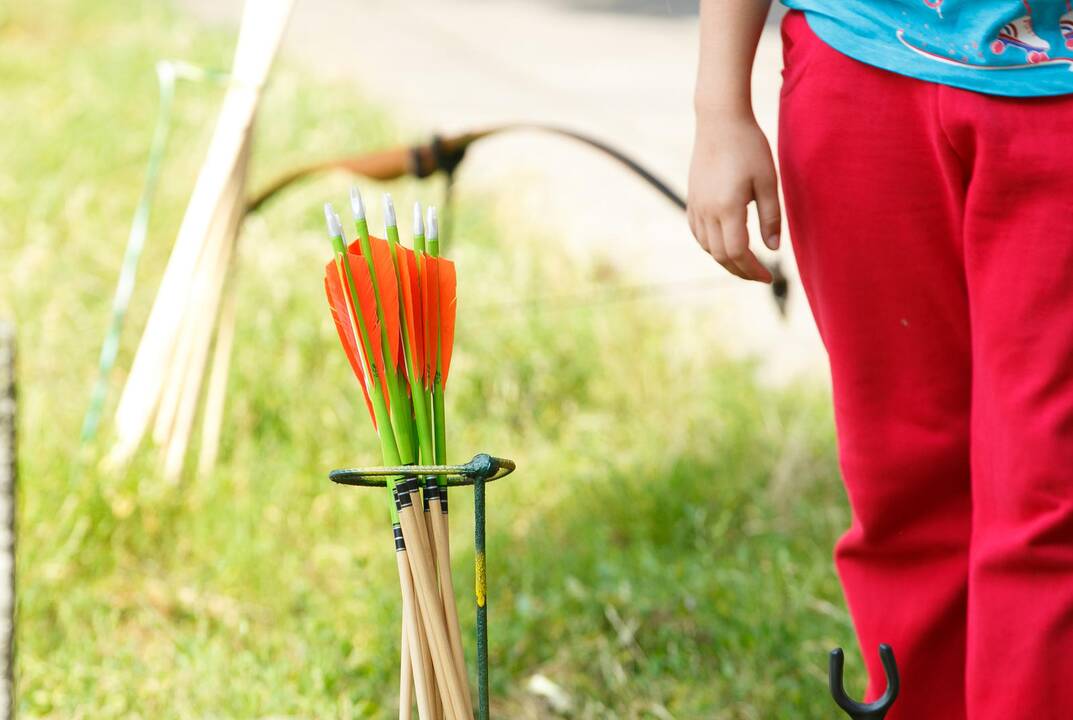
[936,5]
[1018,35]
[1065,25]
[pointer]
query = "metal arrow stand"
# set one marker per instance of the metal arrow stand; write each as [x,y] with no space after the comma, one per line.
[876,710]
[479,471]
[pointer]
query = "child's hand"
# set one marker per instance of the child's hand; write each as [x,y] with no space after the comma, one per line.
[732,166]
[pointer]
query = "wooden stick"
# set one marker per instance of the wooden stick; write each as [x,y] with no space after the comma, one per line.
[192,322]
[8,490]
[203,317]
[432,611]
[441,532]
[183,389]
[260,33]
[428,526]
[406,671]
[216,396]
[424,656]
[447,593]
[410,626]
[439,689]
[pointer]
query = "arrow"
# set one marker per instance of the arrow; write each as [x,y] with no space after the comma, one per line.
[374,295]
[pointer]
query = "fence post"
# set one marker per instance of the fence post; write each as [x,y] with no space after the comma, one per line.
[8,471]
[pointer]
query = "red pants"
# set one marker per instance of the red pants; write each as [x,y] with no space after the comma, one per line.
[933,228]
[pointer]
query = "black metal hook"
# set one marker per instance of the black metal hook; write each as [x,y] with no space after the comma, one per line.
[876,710]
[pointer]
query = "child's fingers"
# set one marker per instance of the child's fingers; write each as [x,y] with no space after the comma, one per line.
[766,192]
[736,239]
[755,268]
[706,231]
[699,229]
[717,247]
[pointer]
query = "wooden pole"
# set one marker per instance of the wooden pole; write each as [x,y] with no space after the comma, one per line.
[429,527]
[429,604]
[8,478]
[260,33]
[202,316]
[198,317]
[406,670]
[213,419]
[411,631]
[447,593]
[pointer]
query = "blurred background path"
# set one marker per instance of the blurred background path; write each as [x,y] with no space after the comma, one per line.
[621,70]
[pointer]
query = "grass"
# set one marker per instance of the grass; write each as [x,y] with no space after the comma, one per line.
[663,552]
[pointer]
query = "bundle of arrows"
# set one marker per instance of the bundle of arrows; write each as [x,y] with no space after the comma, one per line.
[394,309]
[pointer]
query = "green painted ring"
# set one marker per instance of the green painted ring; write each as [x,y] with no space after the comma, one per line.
[483,466]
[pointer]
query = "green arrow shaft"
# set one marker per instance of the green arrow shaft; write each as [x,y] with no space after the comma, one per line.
[438,412]
[421,415]
[426,390]
[401,422]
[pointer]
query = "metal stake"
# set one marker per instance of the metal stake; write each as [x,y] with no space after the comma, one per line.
[482,597]
[876,710]
[8,475]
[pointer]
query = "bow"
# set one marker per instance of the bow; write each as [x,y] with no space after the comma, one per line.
[444,153]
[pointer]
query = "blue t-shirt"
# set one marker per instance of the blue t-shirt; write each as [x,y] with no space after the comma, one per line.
[1002,47]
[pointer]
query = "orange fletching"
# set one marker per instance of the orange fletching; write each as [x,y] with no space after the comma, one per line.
[363,286]
[413,264]
[448,289]
[389,296]
[341,315]
[417,298]
[411,307]
[430,300]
